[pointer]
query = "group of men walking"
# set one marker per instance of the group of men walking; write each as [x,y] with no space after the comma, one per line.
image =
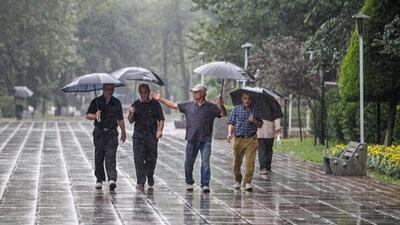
[247,131]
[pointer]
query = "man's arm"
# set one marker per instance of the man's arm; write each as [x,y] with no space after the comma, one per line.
[170,104]
[221,106]
[121,125]
[131,115]
[160,129]
[231,129]
[256,122]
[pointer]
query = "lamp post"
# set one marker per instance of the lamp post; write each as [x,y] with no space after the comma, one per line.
[201,56]
[360,21]
[246,46]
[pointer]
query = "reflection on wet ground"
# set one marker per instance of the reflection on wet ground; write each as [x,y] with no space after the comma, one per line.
[46,177]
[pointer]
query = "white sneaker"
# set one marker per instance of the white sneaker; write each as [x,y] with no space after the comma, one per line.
[189,187]
[113,185]
[98,185]
[237,185]
[205,189]
[248,187]
[263,171]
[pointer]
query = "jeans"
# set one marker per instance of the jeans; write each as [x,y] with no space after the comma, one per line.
[192,148]
[265,152]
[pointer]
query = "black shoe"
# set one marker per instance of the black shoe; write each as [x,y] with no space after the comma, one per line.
[113,185]
[150,181]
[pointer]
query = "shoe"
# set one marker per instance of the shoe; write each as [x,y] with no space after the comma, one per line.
[150,182]
[263,171]
[237,185]
[206,189]
[248,187]
[189,187]
[113,185]
[140,187]
[98,185]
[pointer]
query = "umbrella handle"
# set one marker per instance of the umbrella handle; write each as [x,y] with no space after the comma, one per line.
[222,88]
[97,105]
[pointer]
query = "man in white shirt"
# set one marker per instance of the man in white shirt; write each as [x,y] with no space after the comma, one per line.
[266,135]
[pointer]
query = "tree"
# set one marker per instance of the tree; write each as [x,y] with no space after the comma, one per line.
[382,80]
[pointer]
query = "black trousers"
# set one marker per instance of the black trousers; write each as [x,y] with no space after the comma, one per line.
[145,157]
[106,144]
[265,152]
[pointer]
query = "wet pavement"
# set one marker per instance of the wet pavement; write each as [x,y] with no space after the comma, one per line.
[46,177]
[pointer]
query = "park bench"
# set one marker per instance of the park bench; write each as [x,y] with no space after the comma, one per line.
[352,162]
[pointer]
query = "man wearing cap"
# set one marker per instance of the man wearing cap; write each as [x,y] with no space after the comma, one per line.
[106,112]
[200,115]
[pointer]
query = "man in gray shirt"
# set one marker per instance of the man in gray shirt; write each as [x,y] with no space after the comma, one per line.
[200,115]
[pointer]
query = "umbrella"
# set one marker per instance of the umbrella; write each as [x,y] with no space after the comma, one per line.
[263,100]
[91,82]
[137,74]
[223,70]
[22,92]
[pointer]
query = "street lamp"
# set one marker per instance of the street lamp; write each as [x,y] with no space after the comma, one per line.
[360,21]
[201,56]
[246,46]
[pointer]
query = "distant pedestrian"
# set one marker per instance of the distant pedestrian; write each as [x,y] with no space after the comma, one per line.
[266,135]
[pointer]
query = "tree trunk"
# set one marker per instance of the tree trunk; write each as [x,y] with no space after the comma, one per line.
[299,115]
[378,123]
[181,52]
[391,120]
[285,120]
[43,107]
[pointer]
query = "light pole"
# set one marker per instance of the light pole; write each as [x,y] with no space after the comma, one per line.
[201,56]
[360,21]
[246,46]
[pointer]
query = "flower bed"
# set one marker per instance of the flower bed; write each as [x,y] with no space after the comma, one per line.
[385,159]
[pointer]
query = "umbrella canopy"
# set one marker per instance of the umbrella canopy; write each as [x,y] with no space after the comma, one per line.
[223,70]
[263,101]
[139,74]
[22,92]
[91,82]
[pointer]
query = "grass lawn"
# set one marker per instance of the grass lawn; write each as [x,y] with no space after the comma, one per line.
[305,150]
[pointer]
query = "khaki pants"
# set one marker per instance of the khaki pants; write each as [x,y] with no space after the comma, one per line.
[244,147]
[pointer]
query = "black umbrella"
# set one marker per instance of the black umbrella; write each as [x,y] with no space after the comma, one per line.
[263,101]
[22,92]
[91,82]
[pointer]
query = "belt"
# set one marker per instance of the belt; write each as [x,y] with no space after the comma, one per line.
[105,129]
[246,136]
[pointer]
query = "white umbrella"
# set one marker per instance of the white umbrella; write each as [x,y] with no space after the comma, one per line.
[22,92]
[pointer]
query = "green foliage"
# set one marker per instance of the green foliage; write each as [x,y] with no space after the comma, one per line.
[381,72]
[7,106]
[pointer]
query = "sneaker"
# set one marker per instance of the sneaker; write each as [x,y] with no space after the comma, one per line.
[206,189]
[189,187]
[248,187]
[98,185]
[140,186]
[237,185]
[113,185]
[263,171]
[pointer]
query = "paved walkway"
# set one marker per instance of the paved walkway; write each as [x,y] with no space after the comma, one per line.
[46,177]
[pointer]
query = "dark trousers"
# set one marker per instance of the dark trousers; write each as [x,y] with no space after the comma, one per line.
[106,144]
[265,152]
[145,157]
